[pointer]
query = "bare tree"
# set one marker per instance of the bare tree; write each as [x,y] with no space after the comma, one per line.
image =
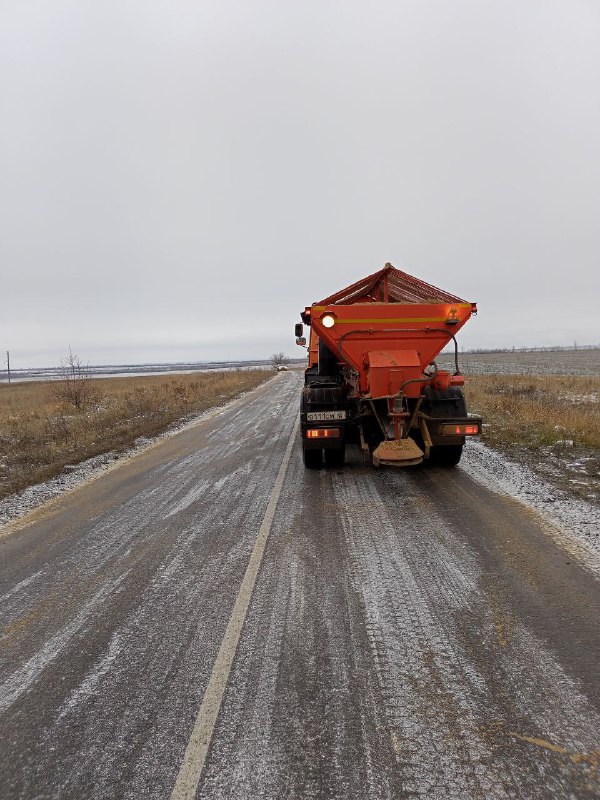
[75,386]
[278,360]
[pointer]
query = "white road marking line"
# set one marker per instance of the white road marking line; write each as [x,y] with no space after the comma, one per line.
[194,759]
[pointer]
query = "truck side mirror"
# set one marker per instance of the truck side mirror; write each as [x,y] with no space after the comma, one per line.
[301,341]
[298,330]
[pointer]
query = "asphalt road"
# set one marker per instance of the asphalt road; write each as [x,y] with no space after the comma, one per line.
[212,620]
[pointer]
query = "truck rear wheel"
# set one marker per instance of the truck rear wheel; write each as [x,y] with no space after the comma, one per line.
[444,405]
[447,455]
[312,458]
[335,458]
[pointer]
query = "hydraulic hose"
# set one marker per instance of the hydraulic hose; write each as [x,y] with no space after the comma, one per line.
[412,380]
[418,380]
[443,330]
[371,331]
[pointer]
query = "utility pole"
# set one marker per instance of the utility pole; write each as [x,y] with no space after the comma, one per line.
[8,364]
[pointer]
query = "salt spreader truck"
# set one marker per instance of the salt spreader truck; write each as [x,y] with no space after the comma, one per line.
[372,378]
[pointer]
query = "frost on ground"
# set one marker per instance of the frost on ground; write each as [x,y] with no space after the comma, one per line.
[573,521]
[563,362]
[21,503]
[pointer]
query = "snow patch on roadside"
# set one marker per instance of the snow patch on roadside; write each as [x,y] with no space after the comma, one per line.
[18,505]
[574,522]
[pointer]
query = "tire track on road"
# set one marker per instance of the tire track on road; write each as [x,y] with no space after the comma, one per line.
[456,696]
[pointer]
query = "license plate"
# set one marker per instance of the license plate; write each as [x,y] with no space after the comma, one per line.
[325,416]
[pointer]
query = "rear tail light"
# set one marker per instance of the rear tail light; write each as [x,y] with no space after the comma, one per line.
[460,430]
[323,433]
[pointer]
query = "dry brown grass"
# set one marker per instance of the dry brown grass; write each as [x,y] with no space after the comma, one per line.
[536,410]
[40,433]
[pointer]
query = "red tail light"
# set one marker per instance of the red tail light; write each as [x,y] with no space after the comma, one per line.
[460,430]
[323,433]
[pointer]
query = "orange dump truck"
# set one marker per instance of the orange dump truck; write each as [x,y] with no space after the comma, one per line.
[372,379]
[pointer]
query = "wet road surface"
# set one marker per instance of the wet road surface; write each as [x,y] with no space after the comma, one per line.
[405,634]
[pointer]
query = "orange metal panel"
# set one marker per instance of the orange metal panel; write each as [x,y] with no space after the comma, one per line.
[425,328]
[313,349]
[389,369]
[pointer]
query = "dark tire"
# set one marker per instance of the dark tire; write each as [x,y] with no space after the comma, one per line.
[450,403]
[447,455]
[335,458]
[440,405]
[312,458]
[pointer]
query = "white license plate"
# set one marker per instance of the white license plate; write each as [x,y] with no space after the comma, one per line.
[325,416]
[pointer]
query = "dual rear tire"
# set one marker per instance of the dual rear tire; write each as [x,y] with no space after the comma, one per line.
[447,455]
[442,405]
[313,459]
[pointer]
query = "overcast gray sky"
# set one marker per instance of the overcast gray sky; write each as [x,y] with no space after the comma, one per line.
[179,179]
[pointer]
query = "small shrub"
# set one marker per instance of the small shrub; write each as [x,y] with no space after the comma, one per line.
[76,386]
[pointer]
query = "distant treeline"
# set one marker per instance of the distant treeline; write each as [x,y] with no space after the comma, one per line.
[555,349]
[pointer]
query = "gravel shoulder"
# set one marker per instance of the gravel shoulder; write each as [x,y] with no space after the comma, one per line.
[565,471]
[572,520]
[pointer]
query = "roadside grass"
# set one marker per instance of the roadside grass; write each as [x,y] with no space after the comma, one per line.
[537,411]
[41,433]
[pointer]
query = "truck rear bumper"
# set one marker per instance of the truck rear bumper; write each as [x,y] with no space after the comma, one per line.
[451,430]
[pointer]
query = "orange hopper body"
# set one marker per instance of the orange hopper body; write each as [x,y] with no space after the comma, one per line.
[388,328]
[372,380]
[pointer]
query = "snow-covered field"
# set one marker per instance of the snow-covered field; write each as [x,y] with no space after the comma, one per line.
[556,362]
